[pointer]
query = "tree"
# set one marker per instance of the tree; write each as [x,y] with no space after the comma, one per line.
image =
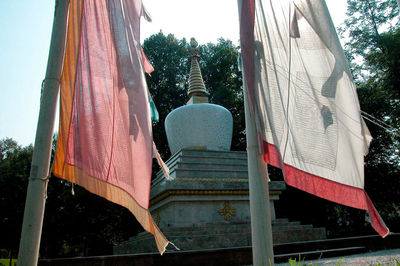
[372,33]
[80,224]
[373,48]
[224,82]
[169,82]
[363,29]
[15,164]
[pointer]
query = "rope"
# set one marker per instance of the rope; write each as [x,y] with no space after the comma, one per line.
[378,121]
[42,86]
[44,179]
[375,123]
[389,129]
[43,82]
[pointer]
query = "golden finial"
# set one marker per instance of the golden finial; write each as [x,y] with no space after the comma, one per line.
[193,42]
[196,83]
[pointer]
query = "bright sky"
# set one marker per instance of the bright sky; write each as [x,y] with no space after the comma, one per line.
[25,29]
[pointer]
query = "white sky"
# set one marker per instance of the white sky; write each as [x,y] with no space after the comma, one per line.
[25,29]
[208,20]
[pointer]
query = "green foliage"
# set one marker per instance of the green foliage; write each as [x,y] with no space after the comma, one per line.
[82,224]
[14,172]
[224,83]
[6,262]
[366,20]
[339,262]
[373,48]
[169,82]
[372,33]
[294,262]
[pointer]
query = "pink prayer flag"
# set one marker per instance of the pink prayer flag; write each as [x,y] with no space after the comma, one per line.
[106,143]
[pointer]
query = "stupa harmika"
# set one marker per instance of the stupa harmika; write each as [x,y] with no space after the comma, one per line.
[206,205]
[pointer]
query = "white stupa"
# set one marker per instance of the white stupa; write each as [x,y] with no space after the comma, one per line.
[199,124]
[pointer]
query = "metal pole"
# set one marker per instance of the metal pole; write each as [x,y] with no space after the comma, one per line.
[37,187]
[260,211]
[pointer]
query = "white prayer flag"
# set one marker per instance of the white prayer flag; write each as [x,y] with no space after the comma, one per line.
[304,101]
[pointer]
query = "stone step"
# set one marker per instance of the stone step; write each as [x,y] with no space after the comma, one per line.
[207,160]
[290,227]
[227,229]
[278,224]
[190,162]
[207,156]
[217,154]
[209,166]
[225,232]
[143,236]
[212,160]
[303,234]
[203,233]
[208,228]
[280,220]
[236,231]
[209,239]
[284,222]
[188,173]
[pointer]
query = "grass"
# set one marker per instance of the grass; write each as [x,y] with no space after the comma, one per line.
[6,262]
[294,262]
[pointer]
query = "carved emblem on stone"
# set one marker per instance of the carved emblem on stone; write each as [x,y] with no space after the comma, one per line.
[227,211]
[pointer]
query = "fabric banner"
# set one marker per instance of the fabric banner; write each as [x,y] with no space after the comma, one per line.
[304,101]
[105,138]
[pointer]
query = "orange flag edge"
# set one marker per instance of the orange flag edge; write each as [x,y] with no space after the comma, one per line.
[118,196]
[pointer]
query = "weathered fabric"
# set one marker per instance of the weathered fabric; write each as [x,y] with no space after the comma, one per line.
[304,101]
[105,136]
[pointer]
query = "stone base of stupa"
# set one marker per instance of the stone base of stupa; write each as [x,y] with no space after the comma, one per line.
[206,206]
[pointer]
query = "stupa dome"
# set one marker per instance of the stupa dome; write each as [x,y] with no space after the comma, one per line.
[199,124]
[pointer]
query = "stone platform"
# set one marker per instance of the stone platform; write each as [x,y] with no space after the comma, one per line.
[207,205]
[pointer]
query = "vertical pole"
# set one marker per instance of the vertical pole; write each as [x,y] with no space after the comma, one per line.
[398,3]
[260,211]
[37,187]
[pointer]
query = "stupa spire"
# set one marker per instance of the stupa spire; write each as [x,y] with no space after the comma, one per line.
[197,90]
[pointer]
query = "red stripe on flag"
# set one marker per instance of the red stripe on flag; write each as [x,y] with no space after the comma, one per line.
[324,188]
